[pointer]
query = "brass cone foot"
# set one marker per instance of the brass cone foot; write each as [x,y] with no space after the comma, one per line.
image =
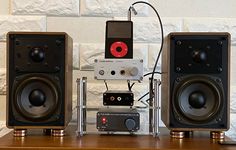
[177,134]
[217,135]
[20,132]
[58,132]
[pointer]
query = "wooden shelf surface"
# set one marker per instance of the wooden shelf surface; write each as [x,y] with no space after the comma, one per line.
[36,140]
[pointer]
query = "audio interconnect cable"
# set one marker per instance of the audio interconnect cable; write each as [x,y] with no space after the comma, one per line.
[132,9]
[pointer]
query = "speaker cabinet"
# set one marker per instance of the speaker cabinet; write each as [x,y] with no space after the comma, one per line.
[195,81]
[119,39]
[39,80]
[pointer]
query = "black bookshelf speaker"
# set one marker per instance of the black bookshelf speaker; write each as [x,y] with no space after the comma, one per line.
[39,80]
[119,39]
[195,81]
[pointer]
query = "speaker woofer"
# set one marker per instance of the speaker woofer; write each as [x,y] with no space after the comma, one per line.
[36,98]
[197,99]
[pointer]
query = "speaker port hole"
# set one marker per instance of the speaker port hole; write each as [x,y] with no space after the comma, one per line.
[112,98]
[122,72]
[113,72]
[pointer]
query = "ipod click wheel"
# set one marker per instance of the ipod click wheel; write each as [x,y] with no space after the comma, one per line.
[118,69]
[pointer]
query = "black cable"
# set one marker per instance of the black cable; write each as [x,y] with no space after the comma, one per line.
[106,84]
[142,107]
[129,87]
[143,96]
[147,100]
[156,72]
[131,8]
[132,86]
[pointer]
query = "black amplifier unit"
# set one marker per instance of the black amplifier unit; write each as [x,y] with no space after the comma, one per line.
[118,120]
[118,98]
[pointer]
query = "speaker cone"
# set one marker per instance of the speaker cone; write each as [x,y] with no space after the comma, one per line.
[36,98]
[197,98]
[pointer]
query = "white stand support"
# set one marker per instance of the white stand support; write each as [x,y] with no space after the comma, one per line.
[81,105]
[156,108]
[154,90]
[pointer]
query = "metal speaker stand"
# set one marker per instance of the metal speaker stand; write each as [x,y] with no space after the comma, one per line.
[81,105]
[154,106]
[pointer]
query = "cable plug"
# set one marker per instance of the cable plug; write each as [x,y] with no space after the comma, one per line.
[131,9]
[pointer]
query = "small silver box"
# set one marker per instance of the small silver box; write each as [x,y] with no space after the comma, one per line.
[118,69]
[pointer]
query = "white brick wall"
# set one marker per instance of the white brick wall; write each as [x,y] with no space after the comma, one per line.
[2,108]
[233,102]
[2,81]
[46,7]
[88,53]
[109,8]
[81,29]
[76,56]
[3,54]
[5,6]
[231,133]
[84,21]
[152,56]
[233,66]
[21,23]
[147,29]
[212,25]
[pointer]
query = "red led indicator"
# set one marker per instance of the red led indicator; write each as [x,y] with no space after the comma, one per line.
[104,120]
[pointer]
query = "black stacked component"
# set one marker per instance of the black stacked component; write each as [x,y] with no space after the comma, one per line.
[118,120]
[119,98]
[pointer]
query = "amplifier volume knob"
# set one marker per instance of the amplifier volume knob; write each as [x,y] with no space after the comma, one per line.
[133,71]
[130,124]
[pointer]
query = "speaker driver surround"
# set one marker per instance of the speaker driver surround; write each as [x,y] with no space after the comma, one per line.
[198,98]
[36,98]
